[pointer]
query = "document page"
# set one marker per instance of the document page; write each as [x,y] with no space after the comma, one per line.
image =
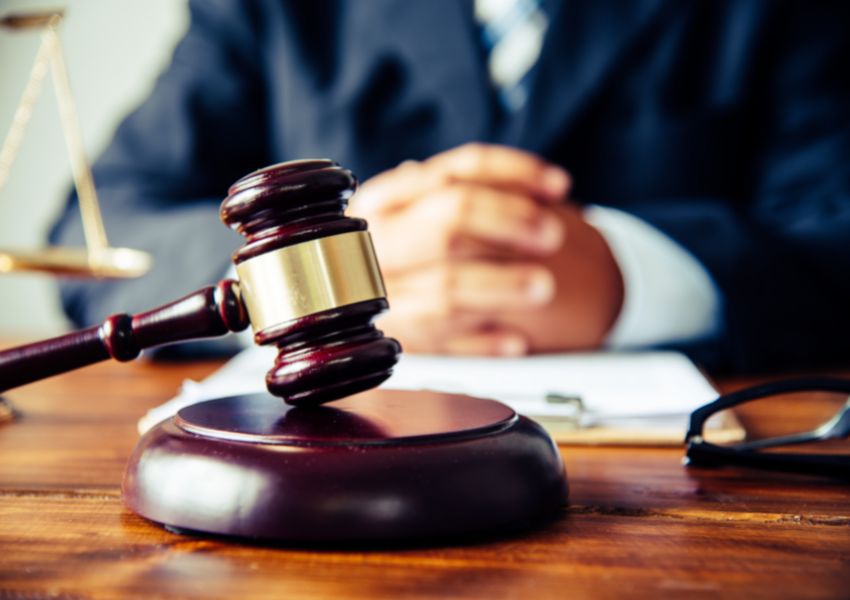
[650,391]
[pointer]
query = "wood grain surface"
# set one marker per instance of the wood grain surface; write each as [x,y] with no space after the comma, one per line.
[638,524]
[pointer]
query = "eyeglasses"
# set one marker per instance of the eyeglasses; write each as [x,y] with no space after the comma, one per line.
[812,417]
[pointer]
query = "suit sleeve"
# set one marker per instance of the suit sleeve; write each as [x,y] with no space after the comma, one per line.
[782,257]
[162,178]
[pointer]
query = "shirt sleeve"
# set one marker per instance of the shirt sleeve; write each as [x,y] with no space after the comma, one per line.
[669,297]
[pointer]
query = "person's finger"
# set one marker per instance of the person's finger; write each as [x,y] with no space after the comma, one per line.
[459,334]
[442,223]
[489,165]
[496,342]
[485,286]
[504,167]
[445,290]
[493,216]
[391,189]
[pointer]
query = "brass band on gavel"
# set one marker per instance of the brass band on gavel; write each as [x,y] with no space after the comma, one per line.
[309,277]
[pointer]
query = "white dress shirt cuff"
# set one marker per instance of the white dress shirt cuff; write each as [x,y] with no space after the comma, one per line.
[669,297]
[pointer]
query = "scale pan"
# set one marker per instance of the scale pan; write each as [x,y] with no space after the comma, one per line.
[113,263]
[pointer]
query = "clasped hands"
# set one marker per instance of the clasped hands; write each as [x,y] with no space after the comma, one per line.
[483,253]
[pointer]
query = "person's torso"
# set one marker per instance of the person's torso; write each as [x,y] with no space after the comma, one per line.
[642,100]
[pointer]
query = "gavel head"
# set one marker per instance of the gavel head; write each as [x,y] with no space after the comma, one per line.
[310,281]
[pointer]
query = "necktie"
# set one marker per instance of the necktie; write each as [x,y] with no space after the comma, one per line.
[512,34]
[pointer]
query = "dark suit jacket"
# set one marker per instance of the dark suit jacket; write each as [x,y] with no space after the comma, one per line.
[724,123]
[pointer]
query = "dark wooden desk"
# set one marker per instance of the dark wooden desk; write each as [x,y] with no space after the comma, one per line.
[638,524]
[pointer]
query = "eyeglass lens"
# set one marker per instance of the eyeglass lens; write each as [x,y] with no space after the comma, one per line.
[805,422]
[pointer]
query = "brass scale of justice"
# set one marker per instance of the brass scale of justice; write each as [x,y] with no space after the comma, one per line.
[335,461]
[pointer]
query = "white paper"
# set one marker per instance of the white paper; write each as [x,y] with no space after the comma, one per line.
[638,389]
[610,385]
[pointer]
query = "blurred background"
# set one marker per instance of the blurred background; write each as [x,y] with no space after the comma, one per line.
[114,49]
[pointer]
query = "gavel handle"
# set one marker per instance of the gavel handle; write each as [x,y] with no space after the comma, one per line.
[209,312]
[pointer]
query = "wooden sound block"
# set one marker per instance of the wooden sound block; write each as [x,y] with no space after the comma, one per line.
[383,465]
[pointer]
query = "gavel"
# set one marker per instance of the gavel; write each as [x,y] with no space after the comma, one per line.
[381,465]
[309,283]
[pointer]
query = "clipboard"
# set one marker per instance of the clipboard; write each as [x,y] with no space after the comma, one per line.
[621,399]
[726,429]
